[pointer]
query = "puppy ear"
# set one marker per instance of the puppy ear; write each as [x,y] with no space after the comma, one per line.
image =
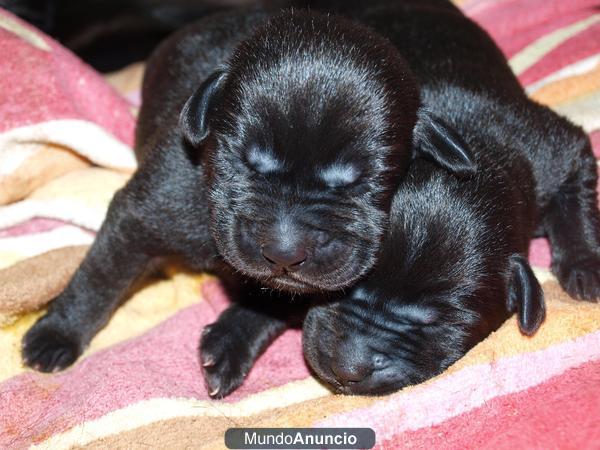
[525,296]
[435,140]
[194,119]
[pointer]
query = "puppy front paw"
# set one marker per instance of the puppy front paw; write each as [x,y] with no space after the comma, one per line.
[581,277]
[225,359]
[48,348]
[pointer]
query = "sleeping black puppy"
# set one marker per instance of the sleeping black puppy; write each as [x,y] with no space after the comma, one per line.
[451,270]
[269,152]
[452,264]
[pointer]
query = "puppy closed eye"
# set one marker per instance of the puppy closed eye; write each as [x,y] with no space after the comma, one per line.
[339,175]
[421,315]
[262,161]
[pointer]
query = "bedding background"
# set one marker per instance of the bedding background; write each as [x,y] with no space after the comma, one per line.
[65,148]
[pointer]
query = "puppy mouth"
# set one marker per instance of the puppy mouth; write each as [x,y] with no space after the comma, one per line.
[287,281]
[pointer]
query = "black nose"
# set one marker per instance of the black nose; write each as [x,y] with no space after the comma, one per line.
[353,365]
[286,257]
[351,371]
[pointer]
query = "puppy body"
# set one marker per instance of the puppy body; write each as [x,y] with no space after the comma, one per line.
[465,79]
[269,148]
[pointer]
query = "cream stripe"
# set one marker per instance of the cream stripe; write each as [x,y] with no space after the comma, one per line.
[35,244]
[543,275]
[584,112]
[23,32]
[149,411]
[535,51]
[578,68]
[86,138]
[67,210]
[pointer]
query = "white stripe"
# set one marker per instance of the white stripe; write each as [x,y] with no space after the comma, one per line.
[543,275]
[11,158]
[160,409]
[85,138]
[38,243]
[578,68]
[67,210]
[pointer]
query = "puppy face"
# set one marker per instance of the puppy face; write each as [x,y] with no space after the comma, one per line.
[305,133]
[373,345]
[309,130]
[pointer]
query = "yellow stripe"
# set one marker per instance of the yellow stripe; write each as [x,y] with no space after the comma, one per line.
[583,112]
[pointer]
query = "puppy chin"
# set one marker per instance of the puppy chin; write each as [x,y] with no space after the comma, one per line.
[298,282]
[319,276]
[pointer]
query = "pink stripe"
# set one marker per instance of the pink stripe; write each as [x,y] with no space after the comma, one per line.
[513,32]
[577,48]
[33,226]
[469,388]
[37,86]
[162,363]
[561,413]
[595,138]
[526,13]
[539,253]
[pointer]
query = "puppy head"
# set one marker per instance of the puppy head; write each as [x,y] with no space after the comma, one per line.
[305,132]
[412,318]
[440,286]
[374,343]
[379,340]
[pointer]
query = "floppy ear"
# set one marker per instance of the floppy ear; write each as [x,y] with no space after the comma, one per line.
[193,119]
[435,140]
[525,296]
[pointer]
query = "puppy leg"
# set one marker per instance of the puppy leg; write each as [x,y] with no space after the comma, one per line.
[74,317]
[230,346]
[572,223]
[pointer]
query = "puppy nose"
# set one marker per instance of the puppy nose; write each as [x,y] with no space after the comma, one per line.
[288,257]
[351,372]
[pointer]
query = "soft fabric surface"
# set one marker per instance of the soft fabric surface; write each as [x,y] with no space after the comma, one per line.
[65,140]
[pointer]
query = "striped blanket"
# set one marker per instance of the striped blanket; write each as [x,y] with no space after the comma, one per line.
[65,148]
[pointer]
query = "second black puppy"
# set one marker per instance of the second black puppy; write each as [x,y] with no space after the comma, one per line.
[452,269]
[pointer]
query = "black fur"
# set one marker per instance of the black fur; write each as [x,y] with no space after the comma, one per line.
[269,151]
[452,267]
[448,267]
[220,206]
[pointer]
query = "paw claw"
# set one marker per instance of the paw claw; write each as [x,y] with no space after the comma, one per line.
[581,278]
[46,348]
[223,359]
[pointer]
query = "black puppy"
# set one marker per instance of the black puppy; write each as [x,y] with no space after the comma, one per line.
[269,152]
[451,271]
[453,259]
